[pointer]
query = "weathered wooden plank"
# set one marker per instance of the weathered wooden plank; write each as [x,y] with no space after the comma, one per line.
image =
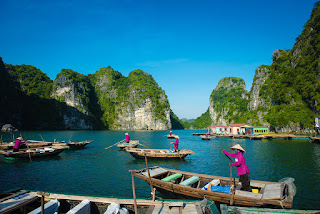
[155,172]
[256,184]
[248,194]
[272,191]
[190,209]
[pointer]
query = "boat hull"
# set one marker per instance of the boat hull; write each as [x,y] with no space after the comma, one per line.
[187,192]
[10,155]
[158,153]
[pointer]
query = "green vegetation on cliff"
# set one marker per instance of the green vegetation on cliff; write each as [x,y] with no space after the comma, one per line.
[31,80]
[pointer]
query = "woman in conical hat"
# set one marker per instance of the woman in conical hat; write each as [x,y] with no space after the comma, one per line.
[127,136]
[242,168]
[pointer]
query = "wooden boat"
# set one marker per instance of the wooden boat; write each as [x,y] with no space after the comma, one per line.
[180,184]
[95,205]
[35,152]
[78,145]
[172,136]
[225,209]
[315,139]
[204,137]
[30,144]
[131,144]
[158,153]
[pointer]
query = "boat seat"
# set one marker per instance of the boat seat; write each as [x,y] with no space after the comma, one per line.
[155,172]
[172,177]
[50,207]
[82,208]
[190,181]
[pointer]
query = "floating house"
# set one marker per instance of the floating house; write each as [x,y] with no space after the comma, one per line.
[244,129]
[219,129]
[258,130]
[234,129]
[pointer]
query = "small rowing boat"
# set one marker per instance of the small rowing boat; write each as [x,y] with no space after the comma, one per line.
[205,137]
[172,136]
[131,144]
[158,153]
[78,145]
[188,185]
[225,209]
[35,152]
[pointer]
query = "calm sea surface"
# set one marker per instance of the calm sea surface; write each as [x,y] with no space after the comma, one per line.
[95,171]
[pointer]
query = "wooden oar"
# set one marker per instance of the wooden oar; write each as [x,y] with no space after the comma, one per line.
[70,138]
[41,137]
[114,144]
[144,145]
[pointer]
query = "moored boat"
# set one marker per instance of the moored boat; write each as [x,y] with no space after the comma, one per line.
[158,153]
[225,209]
[76,204]
[315,139]
[131,144]
[34,152]
[205,137]
[78,145]
[29,143]
[188,185]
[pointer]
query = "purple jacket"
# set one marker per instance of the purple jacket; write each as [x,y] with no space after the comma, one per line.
[127,138]
[17,144]
[240,163]
[176,144]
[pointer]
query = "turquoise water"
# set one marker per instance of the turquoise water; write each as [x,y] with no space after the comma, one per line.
[95,171]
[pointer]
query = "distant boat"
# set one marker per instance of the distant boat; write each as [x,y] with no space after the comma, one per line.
[171,136]
[34,152]
[78,145]
[188,185]
[131,144]
[204,137]
[158,153]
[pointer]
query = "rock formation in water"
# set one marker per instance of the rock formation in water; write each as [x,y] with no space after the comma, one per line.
[228,101]
[131,103]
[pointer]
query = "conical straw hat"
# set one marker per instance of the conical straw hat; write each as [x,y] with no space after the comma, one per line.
[238,147]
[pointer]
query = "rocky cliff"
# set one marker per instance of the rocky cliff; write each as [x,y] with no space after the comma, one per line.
[135,102]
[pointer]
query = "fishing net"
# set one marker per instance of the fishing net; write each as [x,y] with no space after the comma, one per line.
[292,189]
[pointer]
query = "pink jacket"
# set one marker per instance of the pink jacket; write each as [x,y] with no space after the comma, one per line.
[176,144]
[127,138]
[17,144]
[240,163]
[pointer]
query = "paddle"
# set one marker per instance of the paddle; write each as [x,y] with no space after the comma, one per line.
[114,144]
[144,145]
[70,138]
[42,138]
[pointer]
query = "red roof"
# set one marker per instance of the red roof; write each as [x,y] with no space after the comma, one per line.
[218,126]
[237,124]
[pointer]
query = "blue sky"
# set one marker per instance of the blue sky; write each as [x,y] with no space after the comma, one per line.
[187,46]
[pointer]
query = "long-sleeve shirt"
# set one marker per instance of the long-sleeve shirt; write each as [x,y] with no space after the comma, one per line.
[176,144]
[240,163]
[127,138]
[17,144]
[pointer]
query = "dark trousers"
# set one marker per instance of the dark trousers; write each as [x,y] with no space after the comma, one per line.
[16,150]
[245,182]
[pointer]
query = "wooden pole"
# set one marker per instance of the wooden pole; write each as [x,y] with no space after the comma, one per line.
[70,138]
[114,144]
[134,194]
[151,186]
[28,148]
[41,137]
[43,194]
